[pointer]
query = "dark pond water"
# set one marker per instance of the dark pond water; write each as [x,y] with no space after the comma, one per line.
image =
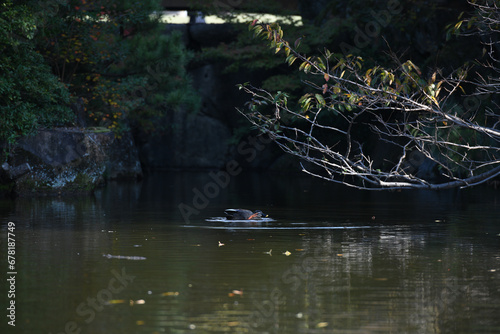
[130,260]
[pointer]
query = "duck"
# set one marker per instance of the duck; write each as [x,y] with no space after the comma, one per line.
[243,214]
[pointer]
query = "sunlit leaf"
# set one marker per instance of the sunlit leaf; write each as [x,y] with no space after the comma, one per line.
[320,64]
[320,99]
[340,63]
[290,59]
[115,301]
[328,54]
[137,302]
[170,293]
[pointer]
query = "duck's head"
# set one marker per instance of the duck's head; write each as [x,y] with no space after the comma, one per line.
[258,214]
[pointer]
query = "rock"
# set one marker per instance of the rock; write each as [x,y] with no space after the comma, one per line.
[69,161]
[13,172]
[62,161]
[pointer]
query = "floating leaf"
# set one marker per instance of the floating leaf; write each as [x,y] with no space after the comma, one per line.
[115,301]
[137,302]
[170,293]
[322,324]
[238,292]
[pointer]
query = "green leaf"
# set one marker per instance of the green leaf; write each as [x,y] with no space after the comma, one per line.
[320,64]
[320,99]
[290,59]
[328,54]
[301,67]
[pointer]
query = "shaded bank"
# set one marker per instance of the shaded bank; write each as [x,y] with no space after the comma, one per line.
[68,161]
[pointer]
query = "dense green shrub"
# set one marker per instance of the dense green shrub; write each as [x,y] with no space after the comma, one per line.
[115,57]
[30,95]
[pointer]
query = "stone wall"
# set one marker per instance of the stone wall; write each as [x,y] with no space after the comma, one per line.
[67,161]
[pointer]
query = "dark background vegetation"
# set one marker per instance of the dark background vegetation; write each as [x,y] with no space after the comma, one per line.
[111,64]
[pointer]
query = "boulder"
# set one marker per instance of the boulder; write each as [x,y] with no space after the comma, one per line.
[68,161]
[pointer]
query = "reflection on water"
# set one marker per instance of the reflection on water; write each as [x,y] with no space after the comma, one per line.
[127,260]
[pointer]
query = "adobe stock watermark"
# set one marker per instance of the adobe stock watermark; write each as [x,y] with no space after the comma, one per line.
[90,307]
[48,9]
[248,149]
[415,160]
[265,315]
[373,28]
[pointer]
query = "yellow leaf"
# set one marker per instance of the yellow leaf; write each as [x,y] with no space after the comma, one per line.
[322,324]
[170,293]
[116,301]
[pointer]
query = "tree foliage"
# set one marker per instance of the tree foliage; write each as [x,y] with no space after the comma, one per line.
[421,115]
[30,95]
[109,58]
[115,57]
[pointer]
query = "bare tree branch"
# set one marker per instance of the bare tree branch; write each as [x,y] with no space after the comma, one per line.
[438,142]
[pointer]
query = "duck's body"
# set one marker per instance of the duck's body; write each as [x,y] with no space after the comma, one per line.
[243,214]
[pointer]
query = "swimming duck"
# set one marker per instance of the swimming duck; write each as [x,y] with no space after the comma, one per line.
[243,214]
